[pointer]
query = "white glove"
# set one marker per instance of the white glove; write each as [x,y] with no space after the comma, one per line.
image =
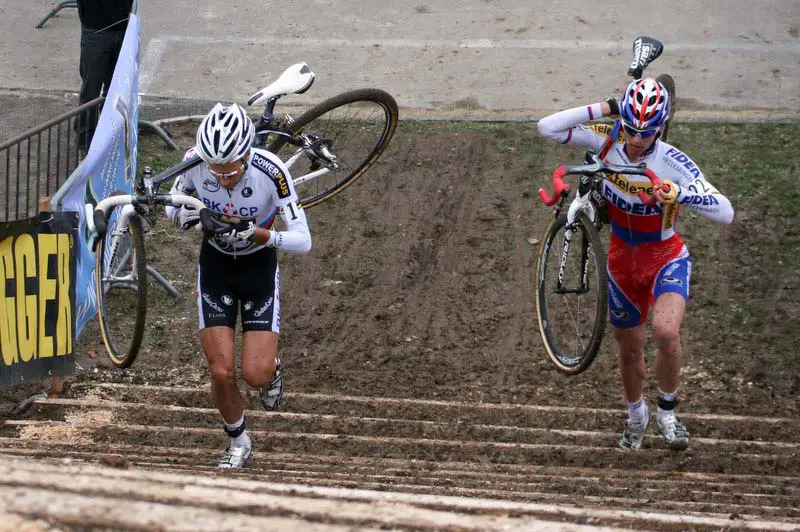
[242,232]
[188,217]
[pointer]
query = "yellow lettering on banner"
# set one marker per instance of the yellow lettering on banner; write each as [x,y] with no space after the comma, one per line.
[8,330]
[25,255]
[64,327]
[23,316]
[47,291]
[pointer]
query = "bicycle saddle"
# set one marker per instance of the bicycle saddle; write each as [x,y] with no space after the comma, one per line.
[295,80]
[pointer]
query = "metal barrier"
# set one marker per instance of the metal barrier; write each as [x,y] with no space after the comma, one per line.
[61,5]
[40,160]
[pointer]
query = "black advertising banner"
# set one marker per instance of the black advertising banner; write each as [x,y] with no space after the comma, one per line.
[37,297]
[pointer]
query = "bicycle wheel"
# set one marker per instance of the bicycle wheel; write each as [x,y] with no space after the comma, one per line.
[356,126]
[572,309]
[669,84]
[121,291]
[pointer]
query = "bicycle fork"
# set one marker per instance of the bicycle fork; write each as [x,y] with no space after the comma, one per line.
[569,232]
[115,247]
[580,204]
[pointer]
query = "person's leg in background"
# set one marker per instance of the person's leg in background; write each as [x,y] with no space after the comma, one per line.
[98,51]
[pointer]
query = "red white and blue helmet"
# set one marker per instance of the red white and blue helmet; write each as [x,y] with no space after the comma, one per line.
[645,105]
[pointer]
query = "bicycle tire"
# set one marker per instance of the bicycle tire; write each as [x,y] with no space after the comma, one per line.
[122,343]
[548,318]
[335,128]
[669,84]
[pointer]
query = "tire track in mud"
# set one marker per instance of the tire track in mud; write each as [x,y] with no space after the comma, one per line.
[547,463]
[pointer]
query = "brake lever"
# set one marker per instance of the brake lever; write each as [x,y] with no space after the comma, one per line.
[209,224]
[212,226]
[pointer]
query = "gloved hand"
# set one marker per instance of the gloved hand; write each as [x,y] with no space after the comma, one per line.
[188,217]
[614,106]
[241,232]
[667,192]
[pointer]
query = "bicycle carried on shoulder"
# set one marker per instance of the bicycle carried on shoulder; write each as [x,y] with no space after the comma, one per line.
[327,148]
[571,277]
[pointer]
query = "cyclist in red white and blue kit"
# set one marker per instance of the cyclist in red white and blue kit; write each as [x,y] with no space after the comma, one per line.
[649,268]
[238,269]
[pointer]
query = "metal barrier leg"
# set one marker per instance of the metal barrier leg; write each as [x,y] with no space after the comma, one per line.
[61,5]
[171,290]
[160,132]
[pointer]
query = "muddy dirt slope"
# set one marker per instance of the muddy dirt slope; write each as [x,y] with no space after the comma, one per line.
[419,396]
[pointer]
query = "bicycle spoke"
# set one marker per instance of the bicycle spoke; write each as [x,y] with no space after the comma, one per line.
[575,324]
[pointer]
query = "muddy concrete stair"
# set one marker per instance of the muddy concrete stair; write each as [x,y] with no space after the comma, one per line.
[564,458]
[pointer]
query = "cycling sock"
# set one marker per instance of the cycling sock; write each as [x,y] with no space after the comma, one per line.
[242,440]
[636,410]
[667,401]
[667,396]
[238,433]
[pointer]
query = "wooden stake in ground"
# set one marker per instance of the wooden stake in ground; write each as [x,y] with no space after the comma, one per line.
[57,382]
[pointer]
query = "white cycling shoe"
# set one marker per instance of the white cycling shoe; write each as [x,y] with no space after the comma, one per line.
[633,435]
[675,434]
[234,457]
[272,392]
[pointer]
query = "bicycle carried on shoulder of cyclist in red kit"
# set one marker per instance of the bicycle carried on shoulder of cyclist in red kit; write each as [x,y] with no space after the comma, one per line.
[571,282]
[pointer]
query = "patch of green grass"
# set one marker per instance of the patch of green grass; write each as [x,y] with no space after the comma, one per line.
[155,153]
[750,162]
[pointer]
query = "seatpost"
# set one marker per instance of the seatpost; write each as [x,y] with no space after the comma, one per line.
[269,110]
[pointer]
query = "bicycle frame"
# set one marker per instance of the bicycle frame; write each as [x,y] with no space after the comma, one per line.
[119,228]
[582,203]
[296,79]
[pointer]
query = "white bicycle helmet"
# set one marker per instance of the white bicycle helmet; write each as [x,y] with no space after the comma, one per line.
[645,104]
[224,135]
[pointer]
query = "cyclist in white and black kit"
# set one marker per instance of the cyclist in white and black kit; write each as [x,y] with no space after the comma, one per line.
[238,269]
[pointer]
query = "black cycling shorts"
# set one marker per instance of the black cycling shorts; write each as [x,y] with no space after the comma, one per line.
[226,282]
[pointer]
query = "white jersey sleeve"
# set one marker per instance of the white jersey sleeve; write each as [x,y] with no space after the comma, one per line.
[567,127]
[695,192]
[296,238]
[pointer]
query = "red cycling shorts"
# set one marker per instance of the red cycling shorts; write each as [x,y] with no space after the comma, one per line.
[637,275]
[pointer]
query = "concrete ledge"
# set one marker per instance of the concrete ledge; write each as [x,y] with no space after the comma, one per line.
[63,491]
[165,111]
